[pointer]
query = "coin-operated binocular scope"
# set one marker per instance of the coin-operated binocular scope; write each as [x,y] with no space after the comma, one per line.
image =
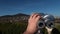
[46,21]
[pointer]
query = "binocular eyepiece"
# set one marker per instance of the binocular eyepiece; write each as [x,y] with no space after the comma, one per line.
[46,20]
[41,24]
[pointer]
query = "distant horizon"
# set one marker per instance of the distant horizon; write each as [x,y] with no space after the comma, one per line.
[26,14]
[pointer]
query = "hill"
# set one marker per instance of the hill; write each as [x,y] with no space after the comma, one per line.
[18,18]
[14,18]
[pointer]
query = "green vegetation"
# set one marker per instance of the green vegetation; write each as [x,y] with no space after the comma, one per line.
[57,25]
[16,28]
[12,28]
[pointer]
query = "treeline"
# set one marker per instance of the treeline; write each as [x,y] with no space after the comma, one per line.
[57,20]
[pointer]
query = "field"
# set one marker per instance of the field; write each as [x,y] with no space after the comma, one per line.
[17,28]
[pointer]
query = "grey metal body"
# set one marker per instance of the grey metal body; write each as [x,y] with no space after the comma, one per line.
[45,21]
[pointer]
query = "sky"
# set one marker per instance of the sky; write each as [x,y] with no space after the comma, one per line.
[10,7]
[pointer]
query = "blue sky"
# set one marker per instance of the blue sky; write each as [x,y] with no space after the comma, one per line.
[9,7]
